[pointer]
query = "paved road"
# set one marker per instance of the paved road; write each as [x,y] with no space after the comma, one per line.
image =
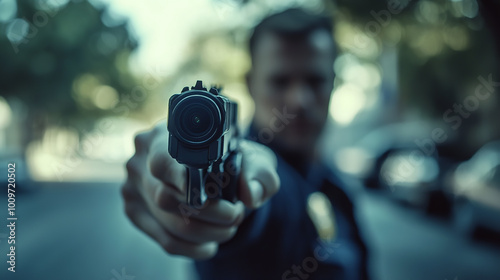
[406,244]
[79,232]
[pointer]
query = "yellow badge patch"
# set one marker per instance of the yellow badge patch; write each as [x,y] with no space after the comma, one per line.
[320,210]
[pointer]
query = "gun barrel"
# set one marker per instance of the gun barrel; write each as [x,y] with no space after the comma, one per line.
[203,135]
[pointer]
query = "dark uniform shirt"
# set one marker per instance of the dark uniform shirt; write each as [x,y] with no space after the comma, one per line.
[280,241]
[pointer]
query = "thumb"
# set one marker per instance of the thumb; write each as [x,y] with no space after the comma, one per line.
[259,179]
[252,194]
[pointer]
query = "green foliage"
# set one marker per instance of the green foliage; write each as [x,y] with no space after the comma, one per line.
[41,66]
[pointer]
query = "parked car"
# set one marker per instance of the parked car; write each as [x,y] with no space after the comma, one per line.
[389,159]
[475,187]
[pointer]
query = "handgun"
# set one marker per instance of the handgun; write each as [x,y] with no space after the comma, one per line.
[204,136]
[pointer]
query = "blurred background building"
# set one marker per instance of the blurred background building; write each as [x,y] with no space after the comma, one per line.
[414,120]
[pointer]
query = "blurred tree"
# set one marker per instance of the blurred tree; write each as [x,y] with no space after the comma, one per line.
[442,46]
[64,60]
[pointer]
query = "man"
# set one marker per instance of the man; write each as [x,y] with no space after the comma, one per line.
[268,234]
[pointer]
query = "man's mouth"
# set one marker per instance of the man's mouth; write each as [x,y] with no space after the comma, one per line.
[301,125]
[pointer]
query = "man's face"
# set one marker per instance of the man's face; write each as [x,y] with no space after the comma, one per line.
[291,83]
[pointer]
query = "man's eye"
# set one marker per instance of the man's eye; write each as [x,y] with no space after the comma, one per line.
[316,81]
[279,82]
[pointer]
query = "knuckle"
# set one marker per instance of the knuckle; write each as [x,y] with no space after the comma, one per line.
[129,211]
[126,192]
[210,254]
[171,247]
[141,142]
[160,128]
[168,246]
[227,234]
[132,167]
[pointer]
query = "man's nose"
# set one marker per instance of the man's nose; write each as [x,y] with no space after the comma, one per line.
[299,97]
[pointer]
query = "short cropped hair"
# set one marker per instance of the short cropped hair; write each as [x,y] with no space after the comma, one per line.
[292,23]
